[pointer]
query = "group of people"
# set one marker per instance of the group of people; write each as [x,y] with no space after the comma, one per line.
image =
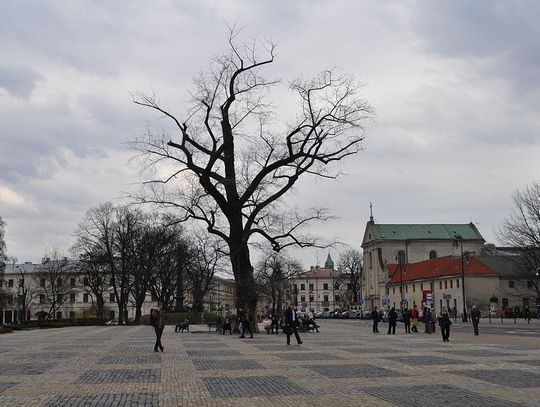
[427,316]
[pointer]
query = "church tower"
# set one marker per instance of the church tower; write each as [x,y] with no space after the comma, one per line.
[329,263]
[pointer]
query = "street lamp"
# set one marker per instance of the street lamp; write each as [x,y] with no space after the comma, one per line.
[400,266]
[459,238]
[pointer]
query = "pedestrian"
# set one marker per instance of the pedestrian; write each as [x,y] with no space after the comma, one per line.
[414,317]
[407,320]
[267,324]
[157,319]
[427,320]
[375,317]
[243,317]
[291,324]
[392,320]
[444,323]
[475,318]
[275,324]
[433,320]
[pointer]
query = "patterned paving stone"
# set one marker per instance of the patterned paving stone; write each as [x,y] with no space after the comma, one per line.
[436,396]
[207,353]
[426,360]
[47,355]
[131,359]
[24,368]
[478,352]
[252,386]
[361,351]
[5,386]
[531,362]
[307,356]
[281,348]
[352,371]
[121,376]
[242,364]
[106,400]
[504,377]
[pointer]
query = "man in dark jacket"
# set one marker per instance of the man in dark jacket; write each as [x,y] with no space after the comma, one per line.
[243,318]
[475,317]
[291,323]
[392,320]
[407,320]
[375,317]
[157,319]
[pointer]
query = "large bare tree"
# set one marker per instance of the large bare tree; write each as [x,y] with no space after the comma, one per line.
[3,255]
[522,231]
[351,263]
[230,160]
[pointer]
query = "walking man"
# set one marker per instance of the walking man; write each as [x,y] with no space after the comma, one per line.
[375,317]
[444,323]
[157,319]
[392,320]
[291,323]
[475,317]
[407,320]
[427,320]
[243,317]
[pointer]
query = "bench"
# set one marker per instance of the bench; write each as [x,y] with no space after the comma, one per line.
[180,326]
[214,325]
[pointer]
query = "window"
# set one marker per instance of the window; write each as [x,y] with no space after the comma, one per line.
[10,283]
[433,254]
[421,286]
[451,283]
[111,297]
[111,314]
[42,298]
[302,298]
[310,286]
[414,288]
[21,283]
[510,284]
[370,260]
[1,283]
[111,281]
[85,297]
[59,315]
[325,298]
[336,298]
[457,283]
[72,298]
[393,290]
[72,282]
[59,299]
[505,302]
[387,291]
[325,286]
[42,282]
[302,287]
[311,298]
[529,284]
[440,285]
[401,257]
[72,315]
[445,284]
[406,288]
[85,281]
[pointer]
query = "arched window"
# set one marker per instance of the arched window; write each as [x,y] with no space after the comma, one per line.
[432,254]
[370,258]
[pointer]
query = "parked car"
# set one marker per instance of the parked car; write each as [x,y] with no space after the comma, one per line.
[318,314]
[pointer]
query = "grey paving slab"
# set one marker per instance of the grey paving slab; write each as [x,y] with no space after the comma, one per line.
[426,360]
[13,368]
[353,371]
[242,364]
[106,400]
[121,376]
[307,356]
[435,396]
[252,386]
[504,377]
[131,359]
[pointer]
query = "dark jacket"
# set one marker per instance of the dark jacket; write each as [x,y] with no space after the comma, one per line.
[157,317]
[406,317]
[375,315]
[475,314]
[392,316]
[444,320]
[289,319]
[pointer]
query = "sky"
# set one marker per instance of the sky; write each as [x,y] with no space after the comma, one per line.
[455,86]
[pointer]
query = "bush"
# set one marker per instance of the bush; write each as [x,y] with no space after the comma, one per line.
[5,330]
[173,317]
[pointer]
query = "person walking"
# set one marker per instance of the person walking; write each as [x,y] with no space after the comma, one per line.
[291,324]
[243,317]
[375,317]
[157,319]
[444,323]
[407,320]
[427,320]
[392,320]
[475,318]
[414,317]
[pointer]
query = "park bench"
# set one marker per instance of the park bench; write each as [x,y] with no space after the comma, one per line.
[214,325]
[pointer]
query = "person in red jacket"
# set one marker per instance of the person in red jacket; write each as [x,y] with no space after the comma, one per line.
[414,317]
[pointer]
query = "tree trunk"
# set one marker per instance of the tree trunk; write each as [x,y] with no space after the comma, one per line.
[246,289]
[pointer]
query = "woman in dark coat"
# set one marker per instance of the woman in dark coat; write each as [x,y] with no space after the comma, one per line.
[444,323]
[392,320]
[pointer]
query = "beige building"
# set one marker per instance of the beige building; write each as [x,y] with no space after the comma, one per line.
[386,244]
[319,289]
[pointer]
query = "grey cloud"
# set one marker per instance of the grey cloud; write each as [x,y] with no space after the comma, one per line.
[19,81]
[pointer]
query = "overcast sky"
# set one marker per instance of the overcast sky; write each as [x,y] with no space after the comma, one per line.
[455,86]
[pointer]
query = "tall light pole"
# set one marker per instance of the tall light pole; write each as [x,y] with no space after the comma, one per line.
[459,238]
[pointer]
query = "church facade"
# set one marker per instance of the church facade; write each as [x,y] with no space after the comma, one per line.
[386,244]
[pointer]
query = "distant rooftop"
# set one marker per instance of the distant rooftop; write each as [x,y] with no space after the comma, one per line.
[381,231]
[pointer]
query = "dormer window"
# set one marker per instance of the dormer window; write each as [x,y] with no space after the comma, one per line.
[433,254]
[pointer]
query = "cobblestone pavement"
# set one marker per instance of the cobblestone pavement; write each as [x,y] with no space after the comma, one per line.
[344,365]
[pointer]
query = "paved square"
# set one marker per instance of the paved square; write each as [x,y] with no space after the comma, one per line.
[345,364]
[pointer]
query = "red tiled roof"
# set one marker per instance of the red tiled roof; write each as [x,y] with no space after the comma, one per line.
[434,268]
[320,272]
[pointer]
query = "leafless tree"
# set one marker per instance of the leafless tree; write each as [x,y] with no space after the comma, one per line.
[522,231]
[3,255]
[206,258]
[232,161]
[351,263]
[273,274]
[27,292]
[53,279]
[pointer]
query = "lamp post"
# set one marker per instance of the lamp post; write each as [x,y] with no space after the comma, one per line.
[459,238]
